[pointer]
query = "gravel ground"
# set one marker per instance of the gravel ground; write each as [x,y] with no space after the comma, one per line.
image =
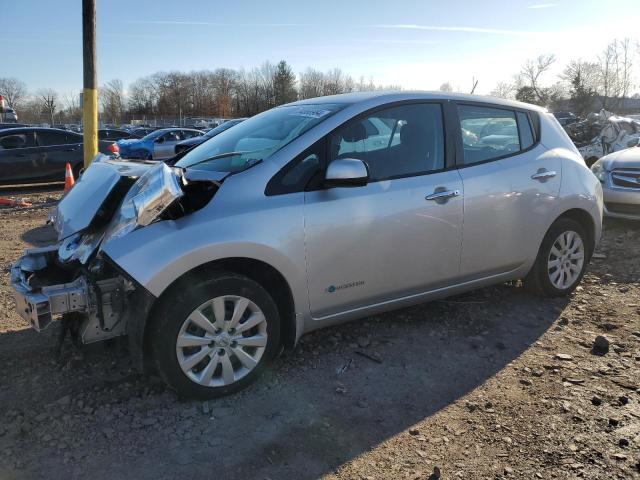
[492,384]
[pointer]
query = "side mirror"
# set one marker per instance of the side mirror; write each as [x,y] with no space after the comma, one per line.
[159,139]
[346,172]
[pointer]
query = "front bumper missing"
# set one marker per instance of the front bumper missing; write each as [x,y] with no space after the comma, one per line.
[40,301]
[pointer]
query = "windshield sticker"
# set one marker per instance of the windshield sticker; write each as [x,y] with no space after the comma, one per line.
[311,113]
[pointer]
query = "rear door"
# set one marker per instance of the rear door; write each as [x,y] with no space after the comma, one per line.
[18,156]
[400,234]
[511,184]
[55,149]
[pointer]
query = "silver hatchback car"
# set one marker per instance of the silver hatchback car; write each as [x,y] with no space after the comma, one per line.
[309,215]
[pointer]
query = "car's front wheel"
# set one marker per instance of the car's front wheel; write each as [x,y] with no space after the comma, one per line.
[215,337]
[562,259]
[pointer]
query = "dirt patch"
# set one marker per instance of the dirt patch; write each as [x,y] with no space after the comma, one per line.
[492,384]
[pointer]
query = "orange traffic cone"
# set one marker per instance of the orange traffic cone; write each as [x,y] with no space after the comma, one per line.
[68,178]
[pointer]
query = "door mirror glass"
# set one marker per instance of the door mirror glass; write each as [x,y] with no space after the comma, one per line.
[12,141]
[160,139]
[346,172]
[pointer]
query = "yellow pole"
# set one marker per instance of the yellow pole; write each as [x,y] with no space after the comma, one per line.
[90,124]
[90,92]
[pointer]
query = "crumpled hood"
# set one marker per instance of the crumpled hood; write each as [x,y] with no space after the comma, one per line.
[80,205]
[627,158]
[100,190]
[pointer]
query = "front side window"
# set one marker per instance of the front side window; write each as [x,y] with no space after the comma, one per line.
[487,133]
[257,138]
[395,142]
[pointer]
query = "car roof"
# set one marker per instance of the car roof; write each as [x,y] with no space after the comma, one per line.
[170,129]
[385,96]
[39,129]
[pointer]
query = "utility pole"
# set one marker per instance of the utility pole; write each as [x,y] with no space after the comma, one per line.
[90,87]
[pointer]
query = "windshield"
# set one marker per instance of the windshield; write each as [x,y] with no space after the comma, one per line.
[221,128]
[153,135]
[257,138]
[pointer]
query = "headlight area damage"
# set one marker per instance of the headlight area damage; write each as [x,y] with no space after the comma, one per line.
[74,279]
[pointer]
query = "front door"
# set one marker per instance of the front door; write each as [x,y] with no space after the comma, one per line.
[400,234]
[164,147]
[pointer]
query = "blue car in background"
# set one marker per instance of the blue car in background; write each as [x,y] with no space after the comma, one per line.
[157,145]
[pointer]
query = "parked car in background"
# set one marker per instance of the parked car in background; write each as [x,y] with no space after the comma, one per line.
[296,220]
[192,142]
[156,145]
[619,173]
[114,134]
[32,154]
[10,115]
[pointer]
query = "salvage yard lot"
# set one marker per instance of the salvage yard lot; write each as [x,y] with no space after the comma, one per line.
[492,384]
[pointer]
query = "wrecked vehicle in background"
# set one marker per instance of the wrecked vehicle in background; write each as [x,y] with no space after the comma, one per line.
[306,216]
[603,133]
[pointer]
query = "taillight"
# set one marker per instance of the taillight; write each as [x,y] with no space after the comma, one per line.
[113,148]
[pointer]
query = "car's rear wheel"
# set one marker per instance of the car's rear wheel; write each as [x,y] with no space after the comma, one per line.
[216,337]
[562,259]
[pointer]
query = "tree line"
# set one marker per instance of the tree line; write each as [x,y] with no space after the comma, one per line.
[582,86]
[222,93]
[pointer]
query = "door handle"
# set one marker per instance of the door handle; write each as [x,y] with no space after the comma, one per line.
[442,195]
[543,174]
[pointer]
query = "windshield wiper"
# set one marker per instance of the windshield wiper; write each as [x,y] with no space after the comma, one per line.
[216,157]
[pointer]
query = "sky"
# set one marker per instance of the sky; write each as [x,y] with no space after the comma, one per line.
[416,44]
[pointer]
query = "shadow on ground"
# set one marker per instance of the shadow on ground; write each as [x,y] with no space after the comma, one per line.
[316,408]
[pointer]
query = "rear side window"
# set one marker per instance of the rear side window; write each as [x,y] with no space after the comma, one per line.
[525,131]
[394,142]
[487,133]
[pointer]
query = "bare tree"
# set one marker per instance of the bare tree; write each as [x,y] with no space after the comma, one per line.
[112,101]
[582,80]
[71,104]
[616,65]
[311,83]
[446,87]
[14,91]
[48,99]
[503,90]
[528,80]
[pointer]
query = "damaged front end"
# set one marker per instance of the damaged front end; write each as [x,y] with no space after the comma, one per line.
[74,277]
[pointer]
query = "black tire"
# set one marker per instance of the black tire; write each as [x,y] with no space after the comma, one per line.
[180,303]
[538,279]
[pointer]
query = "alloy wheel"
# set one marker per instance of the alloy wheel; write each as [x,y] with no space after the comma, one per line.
[566,260]
[221,341]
